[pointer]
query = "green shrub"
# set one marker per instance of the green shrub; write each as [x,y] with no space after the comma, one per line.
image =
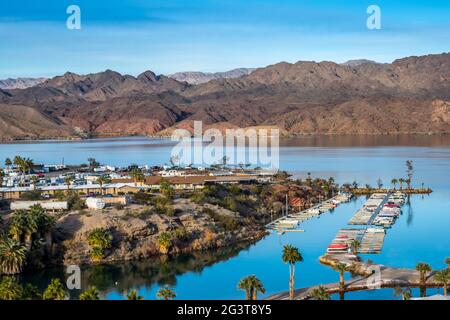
[181,234]
[225,222]
[55,291]
[142,198]
[230,203]
[99,240]
[198,196]
[74,202]
[165,242]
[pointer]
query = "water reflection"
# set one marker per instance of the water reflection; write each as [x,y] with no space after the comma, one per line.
[368,141]
[124,276]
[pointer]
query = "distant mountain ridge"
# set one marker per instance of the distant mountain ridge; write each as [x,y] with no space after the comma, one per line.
[194,77]
[358,62]
[410,95]
[20,83]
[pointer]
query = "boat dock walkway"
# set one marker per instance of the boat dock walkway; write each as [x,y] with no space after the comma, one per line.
[292,220]
[371,240]
[369,211]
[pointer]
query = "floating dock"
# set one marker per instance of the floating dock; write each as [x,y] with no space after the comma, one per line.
[371,241]
[370,210]
[390,211]
[292,221]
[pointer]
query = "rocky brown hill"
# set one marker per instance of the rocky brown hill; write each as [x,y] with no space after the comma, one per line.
[22,122]
[409,95]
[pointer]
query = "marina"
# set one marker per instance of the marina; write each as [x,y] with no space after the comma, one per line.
[380,211]
[292,221]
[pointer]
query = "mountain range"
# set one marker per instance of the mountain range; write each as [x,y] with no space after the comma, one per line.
[410,95]
[20,83]
[203,77]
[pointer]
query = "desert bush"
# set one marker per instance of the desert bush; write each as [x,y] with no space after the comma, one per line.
[224,222]
[74,202]
[99,240]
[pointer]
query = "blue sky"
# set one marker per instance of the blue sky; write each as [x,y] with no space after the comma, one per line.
[210,35]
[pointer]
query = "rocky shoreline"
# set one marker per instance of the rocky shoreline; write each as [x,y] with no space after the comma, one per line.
[136,234]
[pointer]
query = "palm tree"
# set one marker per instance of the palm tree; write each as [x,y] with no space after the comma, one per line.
[55,291]
[355,245]
[12,256]
[166,293]
[22,227]
[320,293]
[104,179]
[93,163]
[68,181]
[34,181]
[24,164]
[90,294]
[133,295]
[10,289]
[251,285]
[405,293]
[341,268]
[44,222]
[401,181]
[137,176]
[18,161]
[443,276]
[447,262]
[257,287]
[244,284]
[8,163]
[408,183]
[99,240]
[394,183]
[423,268]
[291,255]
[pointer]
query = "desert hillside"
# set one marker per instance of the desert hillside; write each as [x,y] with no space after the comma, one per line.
[410,95]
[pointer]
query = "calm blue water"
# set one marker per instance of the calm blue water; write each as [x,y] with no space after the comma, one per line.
[421,233]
